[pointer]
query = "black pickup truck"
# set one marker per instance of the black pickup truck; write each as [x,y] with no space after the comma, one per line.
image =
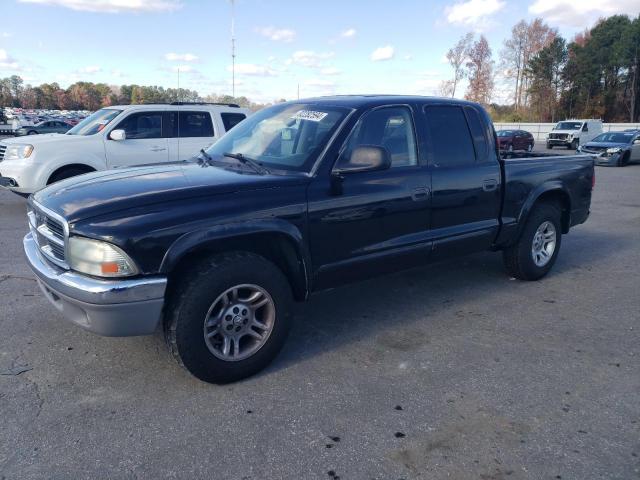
[301,196]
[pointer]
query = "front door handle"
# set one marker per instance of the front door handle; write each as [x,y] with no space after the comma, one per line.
[420,193]
[158,149]
[489,184]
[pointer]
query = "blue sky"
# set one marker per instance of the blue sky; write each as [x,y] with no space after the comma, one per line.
[325,46]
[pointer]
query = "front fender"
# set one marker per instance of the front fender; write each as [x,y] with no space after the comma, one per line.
[201,238]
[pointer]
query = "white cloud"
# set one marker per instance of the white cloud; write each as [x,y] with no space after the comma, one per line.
[6,35]
[473,13]
[113,6]
[383,53]
[408,56]
[318,82]
[330,71]
[90,70]
[180,57]
[253,70]
[349,33]
[277,34]
[308,58]
[183,69]
[581,14]
[8,62]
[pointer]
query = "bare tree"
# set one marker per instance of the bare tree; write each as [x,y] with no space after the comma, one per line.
[480,70]
[457,57]
[526,40]
[445,88]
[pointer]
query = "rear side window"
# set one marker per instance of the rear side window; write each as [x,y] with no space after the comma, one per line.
[478,133]
[230,120]
[142,125]
[194,124]
[449,136]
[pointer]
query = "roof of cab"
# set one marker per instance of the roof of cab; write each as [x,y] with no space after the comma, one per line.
[358,101]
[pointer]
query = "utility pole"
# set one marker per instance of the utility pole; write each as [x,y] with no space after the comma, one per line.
[233,49]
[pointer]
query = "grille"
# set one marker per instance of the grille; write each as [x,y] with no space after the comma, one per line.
[558,136]
[594,149]
[3,148]
[48,233]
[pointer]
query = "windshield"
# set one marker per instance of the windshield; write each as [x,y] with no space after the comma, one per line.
[95,123]
[614,137]
[505,133]
[568,126]
[286,136]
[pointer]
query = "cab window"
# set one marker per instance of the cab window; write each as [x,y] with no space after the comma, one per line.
[142,125]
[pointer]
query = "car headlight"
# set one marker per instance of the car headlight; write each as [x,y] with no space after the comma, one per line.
[614,150]
[18,151]
[100,259]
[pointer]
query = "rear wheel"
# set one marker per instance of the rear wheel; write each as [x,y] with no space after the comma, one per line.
[537,248]
[228,317]
[549,146]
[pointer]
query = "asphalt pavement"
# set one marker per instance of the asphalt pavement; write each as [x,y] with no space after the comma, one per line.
[451,371]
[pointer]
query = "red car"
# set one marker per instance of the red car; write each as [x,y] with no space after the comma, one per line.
[511,140]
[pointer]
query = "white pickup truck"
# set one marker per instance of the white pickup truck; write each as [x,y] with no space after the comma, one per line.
[118,136]
[573,133]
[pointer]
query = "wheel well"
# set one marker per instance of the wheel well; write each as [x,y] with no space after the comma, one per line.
[275,247]
[560,198]
[74,166]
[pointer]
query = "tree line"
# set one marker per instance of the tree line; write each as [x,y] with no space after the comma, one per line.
[92,96]
[548,78]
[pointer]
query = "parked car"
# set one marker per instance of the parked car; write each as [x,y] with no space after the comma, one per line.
[51,126]
[573,133]
[614,148]
[300,197]
[512,140]
[115,137]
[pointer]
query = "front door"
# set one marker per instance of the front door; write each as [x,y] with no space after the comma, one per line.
[465,180]
[144,141]
[376,221]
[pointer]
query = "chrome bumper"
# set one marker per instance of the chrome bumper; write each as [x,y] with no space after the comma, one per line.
[113,308]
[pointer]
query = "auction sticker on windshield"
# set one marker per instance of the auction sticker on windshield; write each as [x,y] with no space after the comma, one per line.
[309,115]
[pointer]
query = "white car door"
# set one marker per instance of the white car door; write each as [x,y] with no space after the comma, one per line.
[144,142]
[635,149]
[195,131]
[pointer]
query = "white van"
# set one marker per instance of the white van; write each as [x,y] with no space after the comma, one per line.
[573,133]
[118,136]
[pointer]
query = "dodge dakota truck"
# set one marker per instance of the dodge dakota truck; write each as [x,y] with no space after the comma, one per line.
[301,196]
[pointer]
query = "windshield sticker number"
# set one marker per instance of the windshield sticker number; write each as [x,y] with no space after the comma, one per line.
[309,115]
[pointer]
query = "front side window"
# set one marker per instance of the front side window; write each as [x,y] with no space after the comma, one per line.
[140,126]
[391,128]
[287,136]
[230,120]
[194,124]
[449,136]
[95,122]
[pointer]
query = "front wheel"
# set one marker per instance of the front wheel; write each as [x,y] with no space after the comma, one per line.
[228,317]
[32,132]
[549,146]
[623,160]
[530,147]
[574,144]
[536,250]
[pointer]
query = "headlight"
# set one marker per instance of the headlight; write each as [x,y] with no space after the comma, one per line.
[18,151]
[614,150]
[100,259]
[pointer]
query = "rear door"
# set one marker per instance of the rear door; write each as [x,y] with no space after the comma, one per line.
[465,179]
[144,143]
[195,132]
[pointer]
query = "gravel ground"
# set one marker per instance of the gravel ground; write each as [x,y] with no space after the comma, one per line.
[448,371]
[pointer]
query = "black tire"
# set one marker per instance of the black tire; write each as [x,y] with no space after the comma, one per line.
[32,132]
[66,173]
[198,288]
[549,146]
[518,258]
[623,160]
[574,144]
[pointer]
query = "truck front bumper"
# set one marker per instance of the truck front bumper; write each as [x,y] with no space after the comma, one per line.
[558,142]
[113,308]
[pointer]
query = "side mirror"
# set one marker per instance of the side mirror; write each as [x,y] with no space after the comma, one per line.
[366,158]
[118,135]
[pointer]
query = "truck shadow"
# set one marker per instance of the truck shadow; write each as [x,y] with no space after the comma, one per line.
[413,300]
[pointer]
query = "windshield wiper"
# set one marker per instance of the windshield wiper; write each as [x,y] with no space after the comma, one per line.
[207,157]
[247,161]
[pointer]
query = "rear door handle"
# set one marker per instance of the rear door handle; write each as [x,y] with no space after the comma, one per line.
[420,193]
[489,184]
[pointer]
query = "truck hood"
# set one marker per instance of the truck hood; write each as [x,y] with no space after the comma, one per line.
[46,139]
[568,132]
[99,193]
